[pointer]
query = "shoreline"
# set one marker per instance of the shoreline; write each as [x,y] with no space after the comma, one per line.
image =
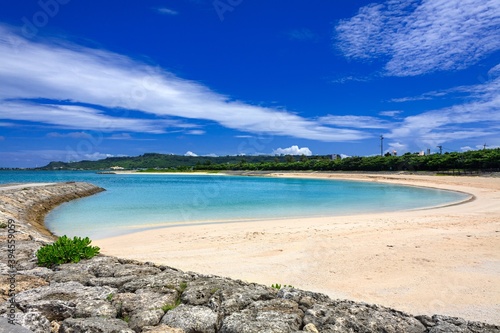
[438,260]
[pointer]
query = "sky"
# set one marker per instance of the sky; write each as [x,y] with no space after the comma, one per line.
[92,79]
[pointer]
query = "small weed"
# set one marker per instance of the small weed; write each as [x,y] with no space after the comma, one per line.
[168,307]
[3,225]
[110,297]
[182,287]
[214,290]
[126,319]
[278,286]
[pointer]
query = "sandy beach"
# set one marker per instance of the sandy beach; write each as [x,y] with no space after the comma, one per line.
[444,260]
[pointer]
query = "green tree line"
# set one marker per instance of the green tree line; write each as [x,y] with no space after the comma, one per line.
[487,159]
[472,161]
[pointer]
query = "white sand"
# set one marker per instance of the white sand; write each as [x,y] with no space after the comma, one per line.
[444,260]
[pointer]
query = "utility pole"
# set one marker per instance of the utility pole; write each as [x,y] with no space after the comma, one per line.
[440,150]
[381,145]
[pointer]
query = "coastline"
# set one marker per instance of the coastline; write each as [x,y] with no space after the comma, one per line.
[31,202]
[437,260]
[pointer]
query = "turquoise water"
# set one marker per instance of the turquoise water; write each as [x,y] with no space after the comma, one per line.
[137,202]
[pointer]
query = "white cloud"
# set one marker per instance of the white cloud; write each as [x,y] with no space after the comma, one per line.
[351,78]
[64,71]
[392,113]
[397,146]
[494,72]
[167,11]
[121,136]
[80,117]
[355,121]
[96,156]
[293,150]
[195,132]
[419,37]
[477,147]
[72,135]
[190,153]
[475,118]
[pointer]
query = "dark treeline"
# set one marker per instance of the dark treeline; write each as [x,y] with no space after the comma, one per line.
[158,161]
[478,160]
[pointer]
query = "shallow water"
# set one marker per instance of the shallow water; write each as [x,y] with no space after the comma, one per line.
[136,202]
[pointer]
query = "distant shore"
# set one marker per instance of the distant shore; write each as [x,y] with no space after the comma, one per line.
[442,260]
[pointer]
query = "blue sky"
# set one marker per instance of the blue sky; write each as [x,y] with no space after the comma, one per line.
[90,79]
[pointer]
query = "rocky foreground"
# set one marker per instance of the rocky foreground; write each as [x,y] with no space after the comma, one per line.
[108,294]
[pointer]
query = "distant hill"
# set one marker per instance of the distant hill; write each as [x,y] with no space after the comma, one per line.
[162,161]
[477,160]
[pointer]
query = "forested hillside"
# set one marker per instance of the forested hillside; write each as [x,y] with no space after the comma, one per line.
[486,160]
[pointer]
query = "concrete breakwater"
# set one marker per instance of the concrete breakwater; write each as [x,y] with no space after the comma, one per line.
[109,294]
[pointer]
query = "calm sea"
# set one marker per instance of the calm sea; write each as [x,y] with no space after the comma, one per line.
[138,202]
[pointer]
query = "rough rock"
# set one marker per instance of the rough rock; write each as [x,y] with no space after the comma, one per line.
[94,325]
[345,316]
[59,301]
[6,327]
[145,318]
[192,319]
[162,328]
[33,321]
[277,315]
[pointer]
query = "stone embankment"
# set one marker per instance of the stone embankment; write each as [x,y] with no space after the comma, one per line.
[107,294]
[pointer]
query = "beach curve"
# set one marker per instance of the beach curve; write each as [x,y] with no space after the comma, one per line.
[442,260]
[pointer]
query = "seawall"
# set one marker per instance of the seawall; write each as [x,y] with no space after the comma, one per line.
[109,294]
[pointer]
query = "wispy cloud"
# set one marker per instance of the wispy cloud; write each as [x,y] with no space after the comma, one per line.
[391,113]
[419,37]
[72,135]
[478,116]
[79,117]
[63,71]
[355,121]
[166,11]
[120,136]
[351,78]
[196,132]
[460,92]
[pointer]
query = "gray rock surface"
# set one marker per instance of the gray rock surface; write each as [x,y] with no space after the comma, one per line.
[6,327]
[107,294]
[192,319]
[94,325]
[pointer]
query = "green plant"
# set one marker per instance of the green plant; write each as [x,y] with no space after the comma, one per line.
[126,319]
[182,287]
[110,297]
[168,307]
[66,250]
[3,225]
[278,286]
